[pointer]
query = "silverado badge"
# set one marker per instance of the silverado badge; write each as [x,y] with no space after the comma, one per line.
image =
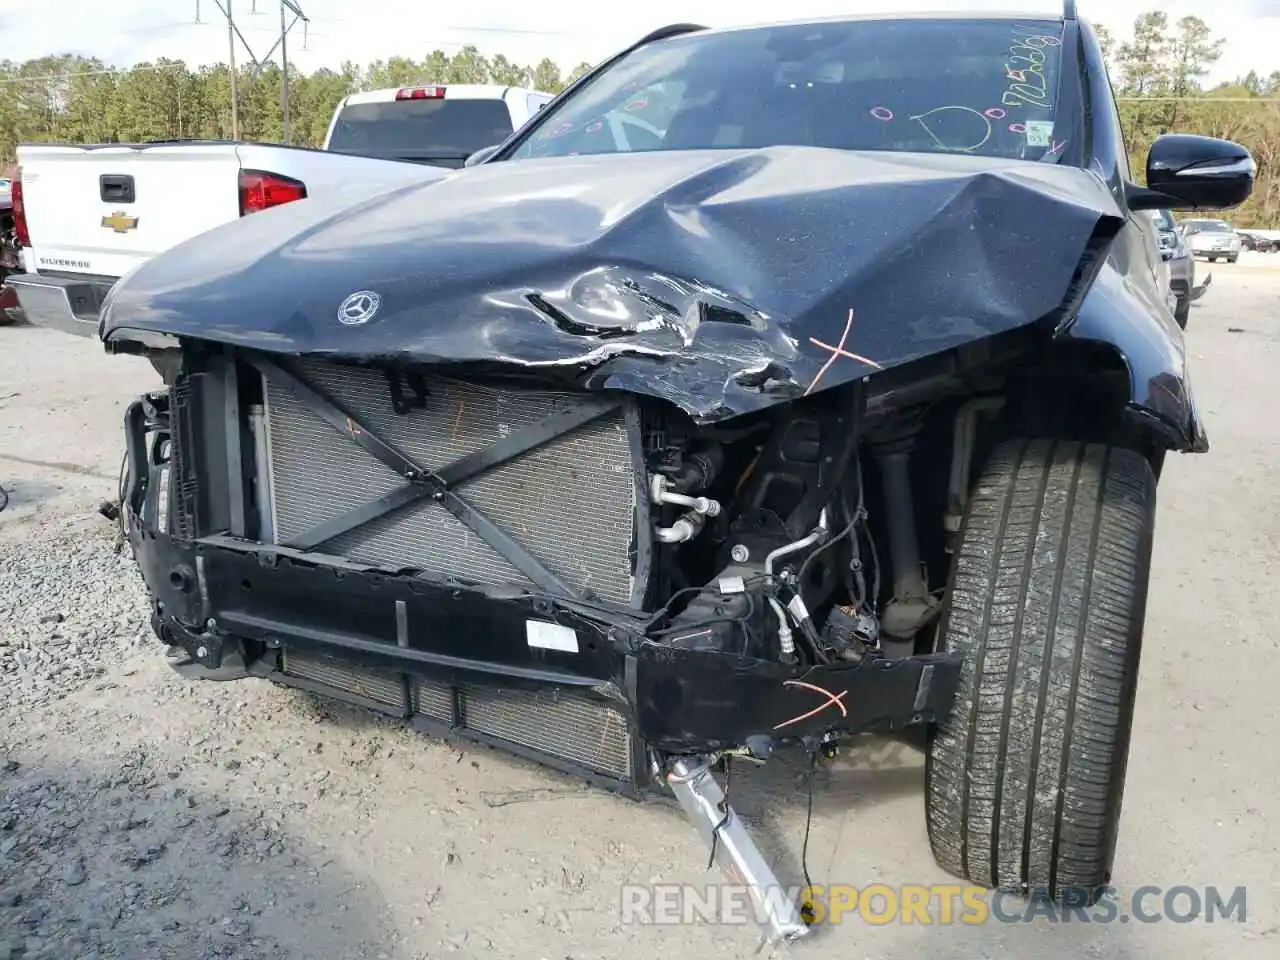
[120,222]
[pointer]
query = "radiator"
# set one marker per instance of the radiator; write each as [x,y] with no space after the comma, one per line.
[571,502]
[560,726]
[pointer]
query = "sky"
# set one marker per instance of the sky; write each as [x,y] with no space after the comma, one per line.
[124,32]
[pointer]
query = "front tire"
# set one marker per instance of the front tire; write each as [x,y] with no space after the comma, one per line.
[1048,593]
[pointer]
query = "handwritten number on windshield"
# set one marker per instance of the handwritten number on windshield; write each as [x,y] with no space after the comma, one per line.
[1021,95]
[1025,69]
[1027,86]
[1034,33]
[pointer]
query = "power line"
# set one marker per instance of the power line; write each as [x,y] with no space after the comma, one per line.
[241,29]
[72,74]
[195,67]
[448,28]
[515,31]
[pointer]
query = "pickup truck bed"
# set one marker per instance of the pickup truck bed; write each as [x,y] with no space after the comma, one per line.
[95,212]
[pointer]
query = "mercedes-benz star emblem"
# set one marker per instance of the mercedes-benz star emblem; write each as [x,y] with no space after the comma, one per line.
[359,308]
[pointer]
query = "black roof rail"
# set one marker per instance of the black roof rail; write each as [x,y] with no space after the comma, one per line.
[672,30]
[1068,9]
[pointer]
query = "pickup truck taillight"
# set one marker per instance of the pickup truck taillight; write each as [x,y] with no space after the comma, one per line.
[420,93]
[261,191]
[19,211]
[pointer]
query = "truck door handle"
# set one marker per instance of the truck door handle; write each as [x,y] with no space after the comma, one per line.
[116,188]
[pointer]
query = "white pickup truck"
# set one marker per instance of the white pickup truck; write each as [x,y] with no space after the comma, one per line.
[88,214]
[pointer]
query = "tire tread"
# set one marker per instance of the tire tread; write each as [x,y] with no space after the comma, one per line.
[1048,595]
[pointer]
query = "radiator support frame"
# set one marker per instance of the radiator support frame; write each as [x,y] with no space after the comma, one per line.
[674,701]
[440,484]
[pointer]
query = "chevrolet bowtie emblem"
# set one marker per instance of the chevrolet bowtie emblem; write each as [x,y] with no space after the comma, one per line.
[120,222]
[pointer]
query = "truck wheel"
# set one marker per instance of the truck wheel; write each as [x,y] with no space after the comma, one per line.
[1182,311]
[1048,593]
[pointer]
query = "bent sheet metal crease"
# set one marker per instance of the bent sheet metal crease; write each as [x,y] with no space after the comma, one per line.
[719,280]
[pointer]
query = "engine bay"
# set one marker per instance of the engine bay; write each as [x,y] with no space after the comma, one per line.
[765,546]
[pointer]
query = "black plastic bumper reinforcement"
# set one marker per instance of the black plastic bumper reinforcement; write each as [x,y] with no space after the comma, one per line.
[678,701]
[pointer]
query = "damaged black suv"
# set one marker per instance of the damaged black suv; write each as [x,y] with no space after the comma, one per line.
[774,385]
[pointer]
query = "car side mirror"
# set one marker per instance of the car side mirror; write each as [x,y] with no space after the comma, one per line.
[481,155]
[1189,172]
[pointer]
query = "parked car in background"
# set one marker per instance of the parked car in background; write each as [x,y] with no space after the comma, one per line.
[1212,239]
[1259,240]
[92,213]
[9,260]
[436,124]
[1181,265]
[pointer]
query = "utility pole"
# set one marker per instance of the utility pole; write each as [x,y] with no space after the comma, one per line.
[234,34]
[231,43]
[292,7]
[284,75]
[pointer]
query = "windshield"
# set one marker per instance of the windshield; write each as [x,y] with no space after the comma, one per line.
[985,87]
[443,130]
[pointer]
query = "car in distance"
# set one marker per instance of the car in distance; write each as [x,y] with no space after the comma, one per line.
[1181,264]
[1259,241]
[1213,239]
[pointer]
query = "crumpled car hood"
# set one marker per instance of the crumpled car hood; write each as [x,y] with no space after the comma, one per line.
[722,281]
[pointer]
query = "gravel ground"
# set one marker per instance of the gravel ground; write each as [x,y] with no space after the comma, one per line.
[52,644]
[142,816]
